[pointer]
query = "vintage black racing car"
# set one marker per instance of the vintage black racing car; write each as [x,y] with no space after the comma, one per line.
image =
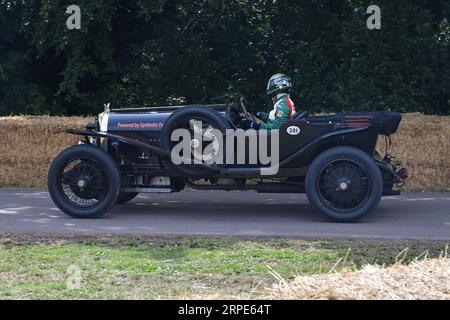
[332,158]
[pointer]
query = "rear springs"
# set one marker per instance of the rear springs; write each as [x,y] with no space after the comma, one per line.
[400,173]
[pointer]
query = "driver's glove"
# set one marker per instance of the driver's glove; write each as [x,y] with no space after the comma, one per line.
[248,124]
[254,110]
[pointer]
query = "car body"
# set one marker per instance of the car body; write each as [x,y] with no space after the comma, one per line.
[332,158]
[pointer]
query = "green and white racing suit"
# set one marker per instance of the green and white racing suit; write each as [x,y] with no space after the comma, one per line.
[283,109]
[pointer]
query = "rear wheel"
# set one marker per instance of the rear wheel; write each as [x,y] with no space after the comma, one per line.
[344,184]
[84,182]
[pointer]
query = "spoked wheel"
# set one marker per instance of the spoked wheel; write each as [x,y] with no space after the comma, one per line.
[205,128]
[344,184]
[84,182]
[204,141]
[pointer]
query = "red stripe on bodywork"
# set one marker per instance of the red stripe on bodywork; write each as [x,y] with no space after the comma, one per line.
[357,119]
[291,107]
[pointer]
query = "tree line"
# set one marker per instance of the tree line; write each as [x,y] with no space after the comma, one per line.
[165,52]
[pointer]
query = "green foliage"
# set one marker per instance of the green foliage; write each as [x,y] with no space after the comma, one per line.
[155,52]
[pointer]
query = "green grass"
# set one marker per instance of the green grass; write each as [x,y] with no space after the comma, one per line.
[170,268]
[15,186]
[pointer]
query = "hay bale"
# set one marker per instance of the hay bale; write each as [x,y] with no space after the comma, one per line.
[29,143]
[425,279]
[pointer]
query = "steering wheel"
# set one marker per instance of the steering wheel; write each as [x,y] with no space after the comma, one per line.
[244,103]
[237,110]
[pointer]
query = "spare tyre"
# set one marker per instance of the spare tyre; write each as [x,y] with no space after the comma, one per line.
[204,129]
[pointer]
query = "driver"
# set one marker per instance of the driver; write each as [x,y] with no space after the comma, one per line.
[278,87]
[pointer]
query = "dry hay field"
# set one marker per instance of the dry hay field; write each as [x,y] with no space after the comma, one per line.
[422,143]
[28,144]
[425,279]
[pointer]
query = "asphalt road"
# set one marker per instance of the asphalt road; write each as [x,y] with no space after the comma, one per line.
[420,216]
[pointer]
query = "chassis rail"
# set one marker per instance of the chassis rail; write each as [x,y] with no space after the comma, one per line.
[221,169]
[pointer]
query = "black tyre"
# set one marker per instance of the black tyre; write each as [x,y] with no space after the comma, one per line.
[125,197]
[187,118]
[344,184]
[84,182]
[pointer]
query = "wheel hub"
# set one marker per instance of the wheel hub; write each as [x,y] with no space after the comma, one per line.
[82,183]
[84,180]
[343,186]
[195,143]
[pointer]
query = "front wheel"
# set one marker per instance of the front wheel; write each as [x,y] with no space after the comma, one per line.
[344,184]
[84,182]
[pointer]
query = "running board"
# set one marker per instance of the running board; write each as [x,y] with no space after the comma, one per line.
[147,190]
[260,187]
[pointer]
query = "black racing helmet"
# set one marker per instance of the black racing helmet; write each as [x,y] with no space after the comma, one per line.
[278,83]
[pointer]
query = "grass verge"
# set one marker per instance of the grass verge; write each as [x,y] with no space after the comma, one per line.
[155,268]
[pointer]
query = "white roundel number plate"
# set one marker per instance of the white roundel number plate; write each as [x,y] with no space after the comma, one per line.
[293,130]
